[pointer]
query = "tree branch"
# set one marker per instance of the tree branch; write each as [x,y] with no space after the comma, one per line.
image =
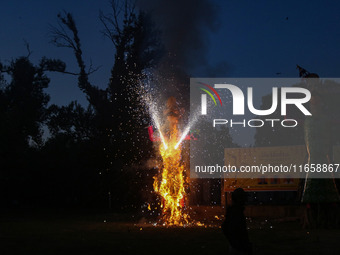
[29,52]
[113,28]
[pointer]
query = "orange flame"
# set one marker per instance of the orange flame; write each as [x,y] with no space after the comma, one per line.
[171,184]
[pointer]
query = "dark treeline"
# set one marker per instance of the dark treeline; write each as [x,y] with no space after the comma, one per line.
[92,156]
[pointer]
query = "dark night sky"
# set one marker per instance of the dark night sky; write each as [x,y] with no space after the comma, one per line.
[30,20]
[254,39]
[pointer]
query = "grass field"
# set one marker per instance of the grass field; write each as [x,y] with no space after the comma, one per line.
[111,234]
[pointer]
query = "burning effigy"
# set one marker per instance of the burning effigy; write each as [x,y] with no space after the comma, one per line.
[171,180]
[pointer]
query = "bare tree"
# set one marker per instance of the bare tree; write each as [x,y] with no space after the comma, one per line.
[65,34]
[113,27]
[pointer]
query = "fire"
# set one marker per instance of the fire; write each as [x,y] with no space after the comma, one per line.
[171,184]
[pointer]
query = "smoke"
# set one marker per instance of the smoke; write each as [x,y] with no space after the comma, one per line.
[185,27]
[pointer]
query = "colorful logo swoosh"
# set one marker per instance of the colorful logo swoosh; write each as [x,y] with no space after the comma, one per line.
[213,90]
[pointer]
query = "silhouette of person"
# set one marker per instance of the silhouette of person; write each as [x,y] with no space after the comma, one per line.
[234,226]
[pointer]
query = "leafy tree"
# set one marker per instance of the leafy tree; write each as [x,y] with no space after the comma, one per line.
[23,112]
[72,120]
[25,107]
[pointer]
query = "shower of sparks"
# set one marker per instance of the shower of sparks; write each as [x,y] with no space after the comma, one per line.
[187,129]
[155,119]
[170,181]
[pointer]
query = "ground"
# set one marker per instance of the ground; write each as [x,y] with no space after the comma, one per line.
[114,234]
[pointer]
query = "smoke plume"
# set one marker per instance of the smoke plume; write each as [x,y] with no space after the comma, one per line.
[185,27]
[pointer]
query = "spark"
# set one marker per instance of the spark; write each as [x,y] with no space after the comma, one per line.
[188,127]
[184,134]
[155,119]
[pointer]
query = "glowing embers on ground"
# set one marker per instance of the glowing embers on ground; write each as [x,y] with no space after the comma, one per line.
[170,183]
